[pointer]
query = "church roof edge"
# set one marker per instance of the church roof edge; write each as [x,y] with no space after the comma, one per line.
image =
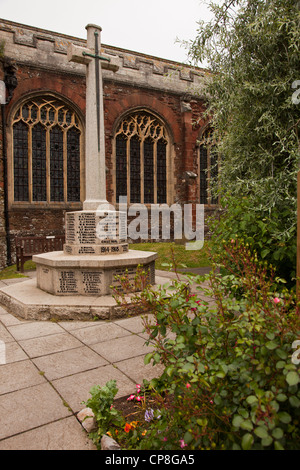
[107,46]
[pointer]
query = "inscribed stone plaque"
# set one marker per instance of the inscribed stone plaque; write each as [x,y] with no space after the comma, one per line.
[68,282]
[92,282]
[87,228]
[70,228]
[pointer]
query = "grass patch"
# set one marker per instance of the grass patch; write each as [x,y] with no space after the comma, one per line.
[11,271]
[189,258]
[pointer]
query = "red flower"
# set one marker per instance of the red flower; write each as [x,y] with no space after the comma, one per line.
[128,427]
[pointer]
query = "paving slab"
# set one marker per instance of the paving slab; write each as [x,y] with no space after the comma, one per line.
[5,335]
[9,320]
[134,325]
[69,362]
[14,353]
[29,408]
[50,344]
[33,330]
[122,348]
[137,370]
[65,434]
[97,333]
[75,388]
[19,375]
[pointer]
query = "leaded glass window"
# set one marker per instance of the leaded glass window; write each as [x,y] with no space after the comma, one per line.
[203,175]
[39,175]
[21,161]
[208,168]
[141,159]
[56,164]
[121,164]
[46,152]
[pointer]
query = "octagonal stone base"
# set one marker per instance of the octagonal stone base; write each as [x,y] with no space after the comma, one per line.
[91,275]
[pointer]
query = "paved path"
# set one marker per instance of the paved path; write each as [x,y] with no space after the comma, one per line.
[49,368]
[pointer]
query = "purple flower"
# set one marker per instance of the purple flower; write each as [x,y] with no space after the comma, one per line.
[149,415]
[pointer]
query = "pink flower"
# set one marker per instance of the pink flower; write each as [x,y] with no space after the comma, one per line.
[130,398]
[165,439]
[232,240]
[138,398]
[138,387]
[182,443]
[276,300]
[188,385]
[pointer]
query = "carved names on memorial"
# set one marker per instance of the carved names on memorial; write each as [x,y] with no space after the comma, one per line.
[92,282]
[70,228]
[86,230]
[68,282]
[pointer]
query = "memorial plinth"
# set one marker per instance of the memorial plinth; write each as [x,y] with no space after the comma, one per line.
[94,258]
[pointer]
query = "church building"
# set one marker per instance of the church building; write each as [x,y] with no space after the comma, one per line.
[155,133]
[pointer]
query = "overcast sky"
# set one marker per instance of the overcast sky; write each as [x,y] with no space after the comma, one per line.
[150,27]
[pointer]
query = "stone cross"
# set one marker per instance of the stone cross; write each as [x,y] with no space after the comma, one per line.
[95,138]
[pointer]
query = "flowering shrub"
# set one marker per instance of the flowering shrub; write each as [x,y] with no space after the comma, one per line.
[229,381]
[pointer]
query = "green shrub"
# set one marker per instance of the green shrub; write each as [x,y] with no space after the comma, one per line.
[231,375]
[229,380]
[106,416]
[261,229]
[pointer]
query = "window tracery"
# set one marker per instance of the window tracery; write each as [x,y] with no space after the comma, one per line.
[208,167]
[46,149]
[141,159]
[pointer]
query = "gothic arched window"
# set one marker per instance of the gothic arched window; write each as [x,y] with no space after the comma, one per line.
[141,159]
[46,143]
[208,168]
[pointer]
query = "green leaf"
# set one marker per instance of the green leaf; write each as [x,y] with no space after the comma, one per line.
[278,446]
[271,345]
[284,417]
[246,425]
[281,397]
[292,378]
[261,432]
[267,441]
[220,374]
[265,253]
[202,421]
[169,370]
[281,353]
[218,400]
[294,401]
[251,399]
[156,358]
[270,335]
[237,420]
[277,433]
[247,441]
[148,358]
[187,437]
